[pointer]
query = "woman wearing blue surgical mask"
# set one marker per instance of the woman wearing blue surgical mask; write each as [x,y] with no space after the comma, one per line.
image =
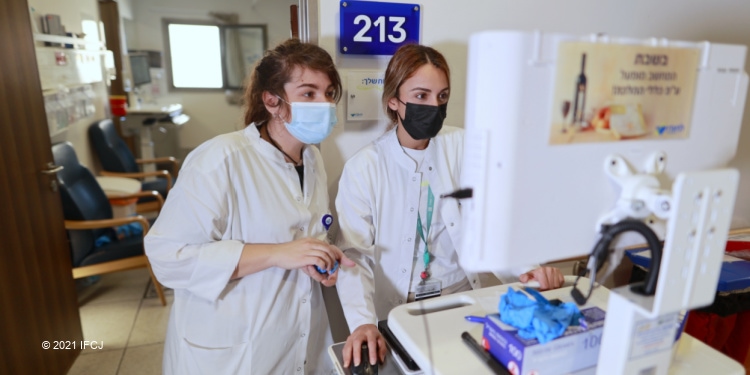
[393,224]
[244,230]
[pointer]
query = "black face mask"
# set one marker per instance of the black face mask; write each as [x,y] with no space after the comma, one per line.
[423,121]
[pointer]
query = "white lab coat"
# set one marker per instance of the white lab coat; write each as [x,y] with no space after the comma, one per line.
[377,206]
[232,190]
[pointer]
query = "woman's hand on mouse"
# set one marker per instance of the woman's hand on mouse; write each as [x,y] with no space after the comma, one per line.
[364,334]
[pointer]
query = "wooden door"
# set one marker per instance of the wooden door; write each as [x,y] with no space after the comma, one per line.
[38,301]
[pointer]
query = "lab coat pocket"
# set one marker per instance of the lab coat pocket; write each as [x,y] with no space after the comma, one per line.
[215,324]
[230,360]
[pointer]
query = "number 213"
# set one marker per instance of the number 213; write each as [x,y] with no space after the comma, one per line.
[380,24]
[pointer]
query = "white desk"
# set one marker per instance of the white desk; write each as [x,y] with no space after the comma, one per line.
[446,354]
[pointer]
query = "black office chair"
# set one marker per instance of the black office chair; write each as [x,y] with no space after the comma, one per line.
[88,217]
[117,160]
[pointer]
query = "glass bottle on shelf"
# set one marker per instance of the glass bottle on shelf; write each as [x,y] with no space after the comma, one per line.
[579,100]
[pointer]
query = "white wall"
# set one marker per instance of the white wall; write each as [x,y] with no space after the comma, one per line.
[71,13]
[447,25]
[210,115]
[125,8]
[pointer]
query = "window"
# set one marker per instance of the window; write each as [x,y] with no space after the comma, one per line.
[210,56]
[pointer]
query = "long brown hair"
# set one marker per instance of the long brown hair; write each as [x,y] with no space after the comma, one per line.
[275,69]
[403,64]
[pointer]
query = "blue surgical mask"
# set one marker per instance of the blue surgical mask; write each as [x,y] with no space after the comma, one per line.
[311,122]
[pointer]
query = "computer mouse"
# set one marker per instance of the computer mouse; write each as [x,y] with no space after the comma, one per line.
[364,367]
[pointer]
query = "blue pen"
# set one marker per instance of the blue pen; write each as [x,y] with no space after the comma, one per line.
[475,319]
[582,323]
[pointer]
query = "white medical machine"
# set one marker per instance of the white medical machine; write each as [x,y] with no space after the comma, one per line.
[654,124]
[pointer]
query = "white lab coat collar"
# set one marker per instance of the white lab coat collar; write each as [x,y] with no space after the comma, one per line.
[392,144]
[274,155]
[269,150]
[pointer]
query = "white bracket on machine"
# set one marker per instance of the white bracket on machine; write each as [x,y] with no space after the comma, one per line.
[639,330]
[642,194]
[641,197]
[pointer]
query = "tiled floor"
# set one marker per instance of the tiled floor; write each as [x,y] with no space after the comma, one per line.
[131,327]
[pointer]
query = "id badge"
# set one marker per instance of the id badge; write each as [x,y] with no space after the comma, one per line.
[428,289]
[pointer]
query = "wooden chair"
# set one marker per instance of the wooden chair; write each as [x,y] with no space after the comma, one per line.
[88,217]
[117,160]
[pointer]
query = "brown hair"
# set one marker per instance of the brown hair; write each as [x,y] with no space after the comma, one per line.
[275,69]
[403,64]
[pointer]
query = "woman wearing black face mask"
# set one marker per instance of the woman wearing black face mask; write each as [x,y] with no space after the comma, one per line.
[393,223]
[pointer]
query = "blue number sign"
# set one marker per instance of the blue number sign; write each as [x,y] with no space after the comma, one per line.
[375,28]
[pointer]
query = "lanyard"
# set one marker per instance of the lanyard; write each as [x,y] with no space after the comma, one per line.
[426,256]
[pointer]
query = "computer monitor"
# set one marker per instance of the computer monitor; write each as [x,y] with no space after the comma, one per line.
[544,112]
[139,67]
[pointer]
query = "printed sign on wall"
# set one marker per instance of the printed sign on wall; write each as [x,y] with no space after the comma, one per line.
[614,92]
[375,28]
[364,93]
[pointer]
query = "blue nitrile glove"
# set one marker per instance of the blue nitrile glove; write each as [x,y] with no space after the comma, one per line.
[129,230]
[102,240]
[516,309]
[538,319]
[335,267]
